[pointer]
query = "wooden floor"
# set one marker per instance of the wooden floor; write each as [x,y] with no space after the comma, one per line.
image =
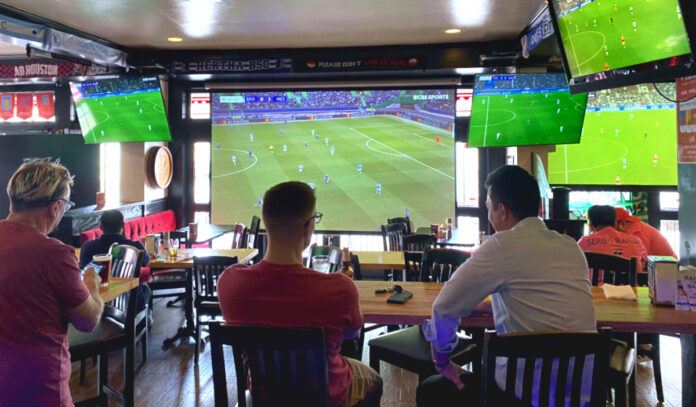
[170,378]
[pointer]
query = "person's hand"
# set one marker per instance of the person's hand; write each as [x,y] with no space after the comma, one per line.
[91,280]
[452,371]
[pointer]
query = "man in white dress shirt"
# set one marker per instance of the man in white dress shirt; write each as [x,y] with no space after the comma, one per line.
[537,279]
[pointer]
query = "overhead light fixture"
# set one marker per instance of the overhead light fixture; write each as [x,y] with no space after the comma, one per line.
[175,39]
[453,31]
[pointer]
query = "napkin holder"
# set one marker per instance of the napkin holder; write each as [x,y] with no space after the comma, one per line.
[662,279]
[152,245]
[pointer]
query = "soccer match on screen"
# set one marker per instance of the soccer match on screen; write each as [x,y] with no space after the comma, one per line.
[603,35]
[527,109]
[629,138]
[120,110]
[364,152]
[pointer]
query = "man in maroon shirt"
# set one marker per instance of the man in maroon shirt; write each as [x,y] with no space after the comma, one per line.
[40,290]
[280,291]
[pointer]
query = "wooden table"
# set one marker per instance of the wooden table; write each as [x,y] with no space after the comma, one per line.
[184,258]
[622,316]
[117,286]
[380,260]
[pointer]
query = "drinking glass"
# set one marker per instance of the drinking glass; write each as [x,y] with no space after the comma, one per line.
[173,246]
[321,263]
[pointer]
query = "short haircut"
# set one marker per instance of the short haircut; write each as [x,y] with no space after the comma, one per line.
[112,221]
[516,189]
[601,215]
[38,182]
[288,205]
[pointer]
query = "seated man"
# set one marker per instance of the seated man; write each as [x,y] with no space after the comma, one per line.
[40,290]
[608,240]
[279,291]
[537,280]
[655,244]
[112,225]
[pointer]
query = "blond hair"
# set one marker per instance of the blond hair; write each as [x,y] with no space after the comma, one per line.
[38,182]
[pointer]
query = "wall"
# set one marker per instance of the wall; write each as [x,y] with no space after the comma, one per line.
[81,159]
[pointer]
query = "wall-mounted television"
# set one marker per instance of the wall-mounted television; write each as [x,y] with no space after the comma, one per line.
[369,154]
[608,44]
[629,139]
[128,109]
[524,109]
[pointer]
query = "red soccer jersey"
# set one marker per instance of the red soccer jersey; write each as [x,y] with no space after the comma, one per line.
[654,242]
[39,282]
[294,296]
[611,241]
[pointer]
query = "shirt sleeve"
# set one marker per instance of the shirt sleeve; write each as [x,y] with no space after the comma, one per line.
[64,276]
[473,281]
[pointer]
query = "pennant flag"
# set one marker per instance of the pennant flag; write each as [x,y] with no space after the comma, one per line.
[25,103]
[46,104]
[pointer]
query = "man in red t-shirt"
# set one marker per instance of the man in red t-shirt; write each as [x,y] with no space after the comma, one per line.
[279,291]
[654,242]
[608,240]
[40,290]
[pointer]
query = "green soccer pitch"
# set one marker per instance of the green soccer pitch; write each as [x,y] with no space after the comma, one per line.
[114,119]
[610,137]
[659,33]
[524,119]
[415,171]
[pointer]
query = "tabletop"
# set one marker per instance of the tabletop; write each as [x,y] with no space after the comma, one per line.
[185,257]
[117,286]
[380,260]
[620,315]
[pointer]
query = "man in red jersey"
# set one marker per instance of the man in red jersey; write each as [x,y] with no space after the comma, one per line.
[654,242]
[279,291]
[605,239]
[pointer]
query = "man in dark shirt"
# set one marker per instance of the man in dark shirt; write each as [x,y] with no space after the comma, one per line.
[112,226]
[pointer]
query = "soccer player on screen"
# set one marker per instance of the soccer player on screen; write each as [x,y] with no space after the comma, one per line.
[630,9]
[611,19]
[312,132]
[218,147]
[149,127]
[497,136]
[616,133]
[285,148]
[326,140]
[234,160]
[271,148]
[306,145]
[250,154]
[606,50]
[332,149]
[606,66]
[594,21]
[251,137]
[359,168]
[624,162]
[379,189]
[561,130]
[634,26]
[655,160]
[311,185]
[623,42]
[102,133]
[299,167]
[281,132]
[326,178]
[558,111]
[618,180]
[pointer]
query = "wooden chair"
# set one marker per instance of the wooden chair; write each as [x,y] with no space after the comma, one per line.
[170,282]
[237,235]
[547,347]
[413,263]
[416,243]
[287,367]
[335,256]
[121,327]
[253,232]
[207,270]
[408,348]
[439,264]
[405,220]
[392,236]
[619,270]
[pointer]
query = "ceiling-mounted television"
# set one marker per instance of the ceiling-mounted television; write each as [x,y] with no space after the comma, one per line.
[606,44]
[369,154]
[128,109]
[524,109]
[629,139]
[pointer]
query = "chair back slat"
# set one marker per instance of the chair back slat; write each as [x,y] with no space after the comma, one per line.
[253,232]
[125,263]
[615,270]
[438,265]
[357,272]
[392,236]
[561,346]
[287,366]
[237,235]
[416,243]
[413,263]
[403,220]
[207,270]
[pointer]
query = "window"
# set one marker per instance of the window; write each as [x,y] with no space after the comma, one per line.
[466,175]
[669,201]
[200,106]
[469,226]
[670,230]
[110,171]
[201,172]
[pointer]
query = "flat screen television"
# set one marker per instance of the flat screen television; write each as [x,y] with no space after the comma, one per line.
[629,139]
[128,109]
[607,44]
[524,109]
[369,154]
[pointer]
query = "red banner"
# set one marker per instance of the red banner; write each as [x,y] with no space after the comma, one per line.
[25,103]
[7,102]
[686,130]
[45,104]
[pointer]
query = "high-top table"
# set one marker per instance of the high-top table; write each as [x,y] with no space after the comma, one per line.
[622,316]
[184,259]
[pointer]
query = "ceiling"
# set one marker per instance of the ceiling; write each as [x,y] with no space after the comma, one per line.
[248,24]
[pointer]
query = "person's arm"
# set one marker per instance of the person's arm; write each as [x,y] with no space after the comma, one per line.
[85,254]
[86,315]
[355,319]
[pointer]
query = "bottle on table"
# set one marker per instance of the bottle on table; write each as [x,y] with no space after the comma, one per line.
[347,268]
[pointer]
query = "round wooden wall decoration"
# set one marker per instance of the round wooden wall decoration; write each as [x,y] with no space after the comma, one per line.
[159,167]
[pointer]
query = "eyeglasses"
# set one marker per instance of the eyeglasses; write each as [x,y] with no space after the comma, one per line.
[317,218]
[68,204]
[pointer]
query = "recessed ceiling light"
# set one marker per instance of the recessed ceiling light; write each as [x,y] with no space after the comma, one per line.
[174,39]
[453,31]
